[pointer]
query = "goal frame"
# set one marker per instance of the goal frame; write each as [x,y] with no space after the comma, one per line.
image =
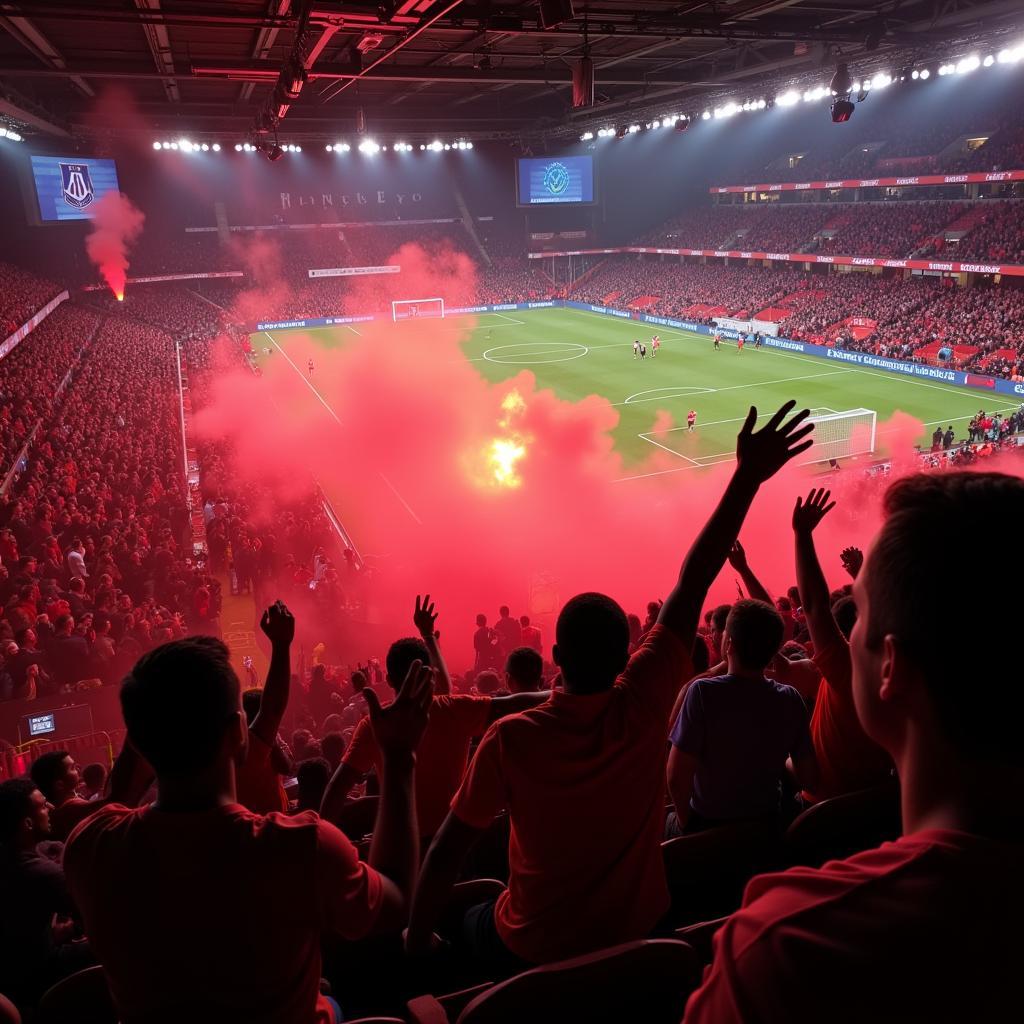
[845,414]
[395,303]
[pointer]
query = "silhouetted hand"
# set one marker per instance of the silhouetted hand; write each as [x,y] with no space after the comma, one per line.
[809,513]
[398,728]
[278,625]
[763,453]
[738,557]
[852,559]
[424,617]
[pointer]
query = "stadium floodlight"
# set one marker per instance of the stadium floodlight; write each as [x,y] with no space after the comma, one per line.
[238,147]
[185,145]
[787,98]
[586,136]
[925,74]
[422,146]
[156,145]
[447,146]
[216,147]
[436,146]
[706,116]
[174,145]
[881,80]
[1011,56]
[368,147]
[633,129]
[989,61]
[13,136]
[968,64]
[3,132]
[205,147]
[469,145]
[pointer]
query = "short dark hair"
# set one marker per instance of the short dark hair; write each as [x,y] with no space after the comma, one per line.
[481,619]
[312,777]
[755,630]
[912,568]
[401,654]
[503,610]
[251,701]
[487,681]
[178,702]
[46,770]
[844,611]
[525,667]
[15,806]
[719,617]
[592,642]
[94,774]
[524,620]
[332,746]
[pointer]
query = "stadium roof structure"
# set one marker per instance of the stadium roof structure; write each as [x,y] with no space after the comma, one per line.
[420,67]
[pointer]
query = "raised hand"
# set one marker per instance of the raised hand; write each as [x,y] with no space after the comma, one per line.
[738,557]
[424,617]
[809,513]
[399,727]
[278,625]
[763,453]
[852,559]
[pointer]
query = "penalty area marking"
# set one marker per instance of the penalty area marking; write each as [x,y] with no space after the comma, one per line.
[680,392]
[512,355]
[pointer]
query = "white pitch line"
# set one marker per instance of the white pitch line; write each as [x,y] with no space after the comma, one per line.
[740,387]
[305,379]
[327,406]
[354,331]
[671,451]
[511,319]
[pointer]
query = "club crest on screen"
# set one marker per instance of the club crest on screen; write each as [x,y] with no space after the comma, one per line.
[77,185]
[556,178]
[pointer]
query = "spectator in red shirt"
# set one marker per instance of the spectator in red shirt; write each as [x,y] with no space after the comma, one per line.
[198,908]
[582,776]
[531,634]
[928,927]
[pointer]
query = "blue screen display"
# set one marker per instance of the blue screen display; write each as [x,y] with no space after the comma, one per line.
[563,179]
[68,186]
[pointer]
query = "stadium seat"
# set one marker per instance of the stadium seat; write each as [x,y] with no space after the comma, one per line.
[844,825]
[82,997]
[607,987]
[8,1012]
[699,937]
[708,870]
[357,818]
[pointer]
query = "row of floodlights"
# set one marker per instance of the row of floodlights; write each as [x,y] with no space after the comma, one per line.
[791,96]
[369,147]
[11,134]
[186,146]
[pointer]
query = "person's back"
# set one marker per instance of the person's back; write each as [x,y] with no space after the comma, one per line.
[746,730]
[223,903]
[581,777]
[201,910]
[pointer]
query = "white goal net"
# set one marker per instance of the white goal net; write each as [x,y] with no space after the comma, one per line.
[417,309]
[840,435]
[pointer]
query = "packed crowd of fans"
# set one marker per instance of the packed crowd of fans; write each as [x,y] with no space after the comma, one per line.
[813,729]
[999,238]
[95,530]
[21,294]
[32,373]
[893,230]
[678,287]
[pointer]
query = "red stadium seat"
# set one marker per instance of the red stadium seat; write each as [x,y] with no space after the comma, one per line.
[608,987]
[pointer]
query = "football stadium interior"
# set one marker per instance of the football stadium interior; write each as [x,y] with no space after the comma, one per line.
[366,372]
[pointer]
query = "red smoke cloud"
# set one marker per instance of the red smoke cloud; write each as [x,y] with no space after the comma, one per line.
[401,430]
[116,224]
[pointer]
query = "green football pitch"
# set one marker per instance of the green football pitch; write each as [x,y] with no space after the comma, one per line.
[577,353]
